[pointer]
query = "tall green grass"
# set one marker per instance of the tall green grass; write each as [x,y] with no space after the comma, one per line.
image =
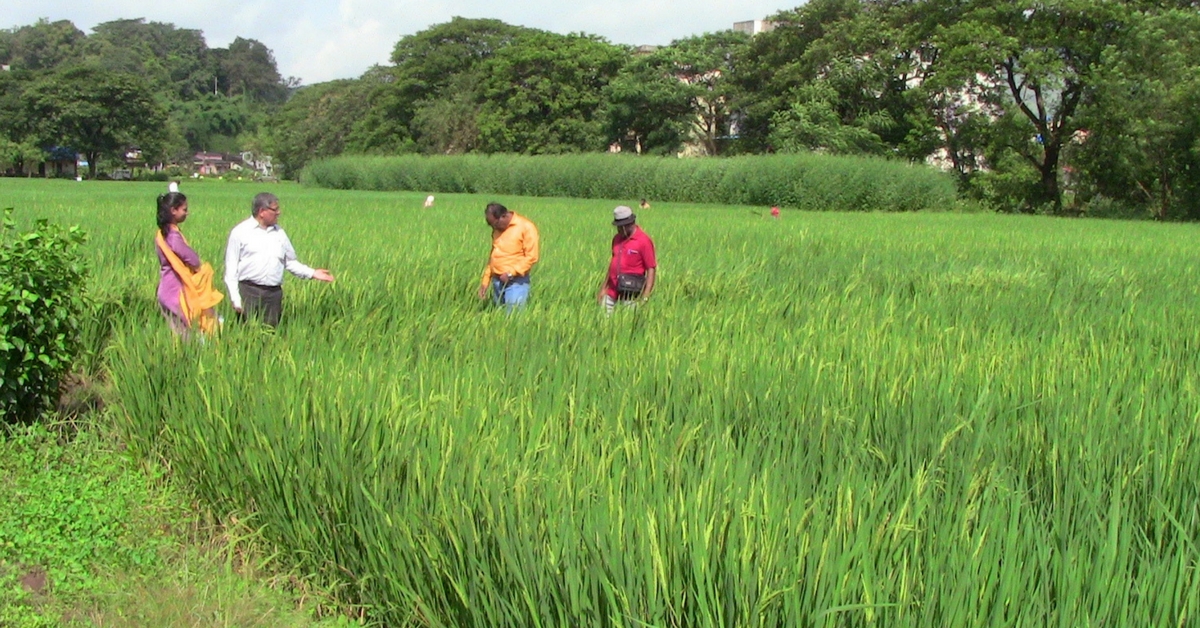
[822,420]
[816,182]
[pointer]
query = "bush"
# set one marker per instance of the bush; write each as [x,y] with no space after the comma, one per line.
[811,181]
[41,304]
[177,172]
[1104,207]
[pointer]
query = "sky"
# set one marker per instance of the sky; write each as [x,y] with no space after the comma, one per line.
[322,40]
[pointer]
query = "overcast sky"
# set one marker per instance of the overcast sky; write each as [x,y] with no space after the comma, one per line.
[318,40]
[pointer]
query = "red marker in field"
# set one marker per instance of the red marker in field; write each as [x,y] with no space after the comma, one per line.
[775,211]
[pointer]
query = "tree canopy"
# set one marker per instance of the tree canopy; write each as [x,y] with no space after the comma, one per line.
[213,99]
[543,94]
[95,111]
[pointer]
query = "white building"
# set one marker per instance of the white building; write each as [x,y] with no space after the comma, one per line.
[754,27]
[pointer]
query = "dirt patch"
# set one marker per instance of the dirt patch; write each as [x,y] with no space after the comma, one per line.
[35,581]
[80,395]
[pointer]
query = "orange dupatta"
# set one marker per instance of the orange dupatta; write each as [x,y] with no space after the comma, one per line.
[198,297]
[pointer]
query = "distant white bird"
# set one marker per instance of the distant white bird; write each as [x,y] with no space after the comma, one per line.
[428,201]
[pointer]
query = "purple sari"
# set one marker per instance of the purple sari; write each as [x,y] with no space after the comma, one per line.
[169,285]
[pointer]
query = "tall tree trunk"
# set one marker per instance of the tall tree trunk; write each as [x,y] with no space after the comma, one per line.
[1164,193]
[1048,190]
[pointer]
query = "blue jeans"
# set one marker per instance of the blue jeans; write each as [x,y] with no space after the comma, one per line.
[512,295]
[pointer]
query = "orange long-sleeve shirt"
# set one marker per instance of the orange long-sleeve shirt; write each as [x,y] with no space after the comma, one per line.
[514,250]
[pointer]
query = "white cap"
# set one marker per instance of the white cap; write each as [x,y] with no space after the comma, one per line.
[622,215]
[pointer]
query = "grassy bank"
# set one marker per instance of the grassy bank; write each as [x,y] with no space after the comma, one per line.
[89,537]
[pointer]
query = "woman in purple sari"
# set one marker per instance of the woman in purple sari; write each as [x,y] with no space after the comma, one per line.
[172,211]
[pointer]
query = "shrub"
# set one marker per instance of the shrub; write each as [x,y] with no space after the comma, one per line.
[1104,207]
[41,304]
[177,172]
[812,181]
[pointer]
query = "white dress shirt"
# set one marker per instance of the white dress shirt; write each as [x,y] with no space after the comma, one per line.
[259,255]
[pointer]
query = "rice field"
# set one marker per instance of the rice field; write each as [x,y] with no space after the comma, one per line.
[824,420]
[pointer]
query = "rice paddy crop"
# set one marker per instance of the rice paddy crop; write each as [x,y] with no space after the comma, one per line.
[821,420]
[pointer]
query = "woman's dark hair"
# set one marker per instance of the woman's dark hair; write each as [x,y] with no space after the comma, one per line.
[167,202]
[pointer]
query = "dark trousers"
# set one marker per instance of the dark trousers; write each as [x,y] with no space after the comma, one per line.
[264,303]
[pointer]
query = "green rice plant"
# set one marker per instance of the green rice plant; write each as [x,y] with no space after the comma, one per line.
[820,420]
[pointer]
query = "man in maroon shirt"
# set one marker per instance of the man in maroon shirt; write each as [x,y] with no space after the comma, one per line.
[631,272]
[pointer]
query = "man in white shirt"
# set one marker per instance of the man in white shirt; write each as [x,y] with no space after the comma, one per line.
[255,258]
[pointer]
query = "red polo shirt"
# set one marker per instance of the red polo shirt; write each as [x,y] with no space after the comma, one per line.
[630,256]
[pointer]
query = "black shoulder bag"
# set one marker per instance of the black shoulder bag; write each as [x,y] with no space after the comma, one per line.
[628,286]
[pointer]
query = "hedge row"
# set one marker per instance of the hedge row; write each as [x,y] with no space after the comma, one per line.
[818,182]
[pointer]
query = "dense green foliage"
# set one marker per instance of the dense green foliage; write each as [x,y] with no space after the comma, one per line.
[821,420]
[317,122]
[703,96]
[94,111]
[817,182]
[543,94]
[145,85]
[42,281]
[1143,134]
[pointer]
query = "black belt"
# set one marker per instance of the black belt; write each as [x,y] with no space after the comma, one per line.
[258,285]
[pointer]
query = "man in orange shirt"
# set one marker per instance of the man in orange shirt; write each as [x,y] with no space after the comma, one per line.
[514,252]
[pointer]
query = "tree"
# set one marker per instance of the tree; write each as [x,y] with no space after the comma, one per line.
[338,116]
[17,144]
[214,122]
[438,75]
[377,129]
[834,76]
[773,67]
[949,117]
[175,61]
[16,155]
[813,123]
[1031,62]
[248,68]
[315,123]
[13,123]
[429,60]
[41,46]
[448,124]
[96,112]
[543,94]
[1142,140]
[704,65]
[648,108]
